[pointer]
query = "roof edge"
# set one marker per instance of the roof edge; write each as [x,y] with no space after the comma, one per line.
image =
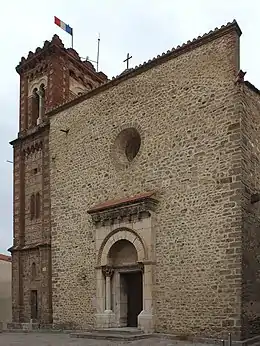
[252,87]
[170,54]
[5,258]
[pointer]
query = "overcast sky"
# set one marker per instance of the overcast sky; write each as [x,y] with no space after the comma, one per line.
[144,28]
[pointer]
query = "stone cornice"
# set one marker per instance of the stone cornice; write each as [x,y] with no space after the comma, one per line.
[31,132]
[160,59]
[117,211]
[29,247]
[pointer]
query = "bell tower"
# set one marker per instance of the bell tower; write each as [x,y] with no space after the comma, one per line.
[50,76]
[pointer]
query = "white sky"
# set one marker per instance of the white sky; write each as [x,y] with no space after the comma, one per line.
[144,28]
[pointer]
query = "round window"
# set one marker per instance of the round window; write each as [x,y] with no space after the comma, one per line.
[127,145]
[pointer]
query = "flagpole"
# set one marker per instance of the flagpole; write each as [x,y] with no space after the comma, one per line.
[98,50]
[72,39]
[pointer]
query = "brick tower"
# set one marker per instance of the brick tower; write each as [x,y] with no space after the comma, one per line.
[51,76]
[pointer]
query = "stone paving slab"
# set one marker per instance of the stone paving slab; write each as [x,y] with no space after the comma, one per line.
[50,339]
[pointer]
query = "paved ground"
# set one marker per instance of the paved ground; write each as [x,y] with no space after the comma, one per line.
[48,339]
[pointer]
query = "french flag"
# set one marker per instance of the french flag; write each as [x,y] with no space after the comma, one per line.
[62,25]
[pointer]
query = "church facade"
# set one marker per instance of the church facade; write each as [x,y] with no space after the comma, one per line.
[136,199]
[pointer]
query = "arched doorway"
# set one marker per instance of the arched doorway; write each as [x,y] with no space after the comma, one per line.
[127,283]
[124,281]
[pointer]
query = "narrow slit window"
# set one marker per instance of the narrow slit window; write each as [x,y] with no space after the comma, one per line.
[32,206]
[35,107]
[33,271]
[38,205]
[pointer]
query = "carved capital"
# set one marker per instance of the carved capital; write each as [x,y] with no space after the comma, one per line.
[107,271]
[141,266]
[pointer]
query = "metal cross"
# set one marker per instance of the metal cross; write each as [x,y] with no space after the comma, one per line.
[127,60]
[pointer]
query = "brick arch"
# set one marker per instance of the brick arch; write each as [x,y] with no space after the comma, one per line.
[122,234]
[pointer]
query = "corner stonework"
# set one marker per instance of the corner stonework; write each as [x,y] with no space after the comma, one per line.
[132,220]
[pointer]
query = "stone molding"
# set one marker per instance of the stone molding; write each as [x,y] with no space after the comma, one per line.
[29,247]
[117,214]
[30,133]
[131,266]
[119,234]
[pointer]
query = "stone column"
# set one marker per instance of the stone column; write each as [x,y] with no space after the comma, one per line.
[40,93]
[106,319]
[108,293]
[108,272]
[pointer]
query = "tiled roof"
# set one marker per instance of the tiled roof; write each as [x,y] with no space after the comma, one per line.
[120,202]
[5,258]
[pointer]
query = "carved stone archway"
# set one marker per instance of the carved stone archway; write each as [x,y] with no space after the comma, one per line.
[129,220]
[121,234]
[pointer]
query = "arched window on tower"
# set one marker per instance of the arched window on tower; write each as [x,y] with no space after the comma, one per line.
[35,206]
[35,106]
[38,205]
[34,271]
[32,206]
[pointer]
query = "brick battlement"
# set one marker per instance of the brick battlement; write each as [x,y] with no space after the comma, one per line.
[50,47]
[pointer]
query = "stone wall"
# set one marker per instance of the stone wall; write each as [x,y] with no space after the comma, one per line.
[250,143]
[186,111]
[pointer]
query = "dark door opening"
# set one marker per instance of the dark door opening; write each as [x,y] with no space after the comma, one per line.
[134,291]
[34,305]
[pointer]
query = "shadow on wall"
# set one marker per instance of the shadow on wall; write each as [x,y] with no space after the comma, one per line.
[5,288]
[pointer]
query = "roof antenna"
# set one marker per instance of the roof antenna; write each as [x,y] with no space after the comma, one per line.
[98,50]
[97,61]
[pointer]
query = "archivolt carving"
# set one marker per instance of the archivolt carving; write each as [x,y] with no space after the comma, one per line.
[122,234]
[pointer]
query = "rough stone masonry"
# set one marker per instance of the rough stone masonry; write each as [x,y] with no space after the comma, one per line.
[153,174]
